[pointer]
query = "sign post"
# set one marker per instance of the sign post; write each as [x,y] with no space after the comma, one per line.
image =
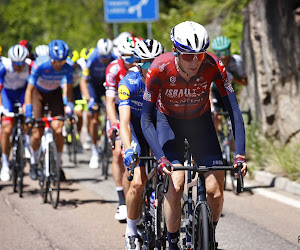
[126,11]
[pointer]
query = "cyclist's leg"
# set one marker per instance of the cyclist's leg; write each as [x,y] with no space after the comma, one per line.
[172,142]
[78,109]
[7,124]
[56,107]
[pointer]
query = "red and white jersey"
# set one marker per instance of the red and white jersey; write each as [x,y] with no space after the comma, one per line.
[114,72]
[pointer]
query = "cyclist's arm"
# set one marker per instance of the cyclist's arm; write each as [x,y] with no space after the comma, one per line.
[84,88]
[111,109]
[28,94]
[149,130]
[125,131]
[212,106]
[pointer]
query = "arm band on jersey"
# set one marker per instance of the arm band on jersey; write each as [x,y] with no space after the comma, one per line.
[237,122]
[149,129]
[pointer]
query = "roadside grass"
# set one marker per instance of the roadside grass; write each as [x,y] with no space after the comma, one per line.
[264,154]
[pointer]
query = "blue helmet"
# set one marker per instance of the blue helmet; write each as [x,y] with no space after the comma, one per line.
[58,50]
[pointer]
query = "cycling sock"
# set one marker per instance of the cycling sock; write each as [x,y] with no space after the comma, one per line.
[94,149]
[5,160]
[131,228]
[59,157]
[33,158]
[173,240]
[121,195]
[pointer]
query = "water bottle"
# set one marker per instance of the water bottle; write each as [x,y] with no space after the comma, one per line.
[152,200]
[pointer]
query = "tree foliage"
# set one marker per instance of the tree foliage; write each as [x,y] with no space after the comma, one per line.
[81,23]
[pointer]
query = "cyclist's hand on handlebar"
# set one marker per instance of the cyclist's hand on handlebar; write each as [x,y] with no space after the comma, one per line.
[115,126]
[243,161]
[162,169]
[128,159]
[29,121]
[92,105]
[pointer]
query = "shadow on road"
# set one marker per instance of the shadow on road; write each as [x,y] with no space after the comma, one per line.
[76,202]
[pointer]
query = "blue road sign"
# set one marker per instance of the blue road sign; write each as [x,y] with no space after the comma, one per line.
[125,11]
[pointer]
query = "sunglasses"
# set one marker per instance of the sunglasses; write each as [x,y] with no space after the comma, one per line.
[128,59]
[191,56]
[144,65]
[18,63]
[58,62]
[221,53]
[105,57]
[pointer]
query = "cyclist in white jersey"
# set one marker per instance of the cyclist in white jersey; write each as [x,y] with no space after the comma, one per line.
[13,81]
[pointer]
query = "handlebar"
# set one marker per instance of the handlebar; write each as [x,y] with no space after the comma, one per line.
[248,113]
[135,158]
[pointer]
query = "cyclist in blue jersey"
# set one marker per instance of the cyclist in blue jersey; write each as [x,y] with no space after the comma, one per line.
[47,75]
[131,89]
[91,85]
[13,81]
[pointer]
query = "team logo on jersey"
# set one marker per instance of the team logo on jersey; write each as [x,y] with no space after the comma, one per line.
[172,80]
[124,93]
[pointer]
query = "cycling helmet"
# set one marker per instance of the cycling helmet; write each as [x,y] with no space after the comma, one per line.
[126,47]
[189,37]
[220,43]
[104,47]
[18,53]
[86,52]
[26,44]
[0,50]
[148,49]
[58,50]
[75,56]
[42,50]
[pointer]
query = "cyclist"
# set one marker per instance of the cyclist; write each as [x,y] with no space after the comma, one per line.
[41,50]
[235,73]
[91,85]
[28,45]
[180,88]
[13,81]
[47,75]
[115,71]
[131,90]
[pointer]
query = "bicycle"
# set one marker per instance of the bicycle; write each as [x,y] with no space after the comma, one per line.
[48,167]
[151,226]
[18,149]
[196,229]
[71,141]
[227,143]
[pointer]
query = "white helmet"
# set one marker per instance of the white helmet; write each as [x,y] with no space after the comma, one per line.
[18,53]
[104,47]
[189,37]
[126,47]
[42,50]
[148,49]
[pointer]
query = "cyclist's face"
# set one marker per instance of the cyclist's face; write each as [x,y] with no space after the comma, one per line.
[18,66]
[105,59]
[144,66]
[57,65]
[191,63]
[224,56]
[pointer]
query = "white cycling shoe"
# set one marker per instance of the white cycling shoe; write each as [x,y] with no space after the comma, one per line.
[5,176]
[121,213]
[94,161]
[132,242]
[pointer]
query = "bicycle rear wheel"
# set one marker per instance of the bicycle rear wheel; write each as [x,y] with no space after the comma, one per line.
[205,238]
[42,178]
[54,175]
[161,237]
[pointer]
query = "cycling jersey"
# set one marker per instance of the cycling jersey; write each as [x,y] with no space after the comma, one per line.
[79,66]
[11,79]
[131,90]
[188,101]
[95,69]
[46,79]
[114,73]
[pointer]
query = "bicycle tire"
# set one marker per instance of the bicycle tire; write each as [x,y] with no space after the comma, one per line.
[105,155]
[20,160]
[54,176]
[42,178]
[203,231]
[161,237]
[74,148]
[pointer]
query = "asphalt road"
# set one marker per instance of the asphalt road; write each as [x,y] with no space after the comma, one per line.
[84,218]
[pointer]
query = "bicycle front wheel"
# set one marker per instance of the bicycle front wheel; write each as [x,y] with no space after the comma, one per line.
[54,175]
[20,160]
[205,239]
[161,237]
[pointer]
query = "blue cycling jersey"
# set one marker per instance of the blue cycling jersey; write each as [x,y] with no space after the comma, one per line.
[46,79]
[131,90]
[95,69]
